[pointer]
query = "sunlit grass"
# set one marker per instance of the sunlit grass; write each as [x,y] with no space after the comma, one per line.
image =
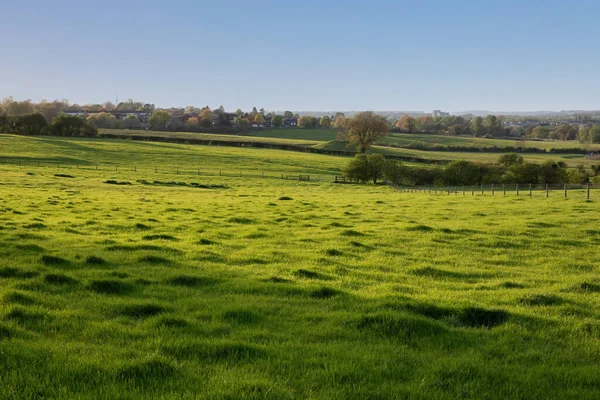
[269,288]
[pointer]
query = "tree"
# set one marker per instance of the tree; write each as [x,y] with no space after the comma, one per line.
[492,125]
[376,164]
[50,109]
[594,134]
[193,121]
[241,122]
[174,124]
[366,128]
[510,159]
[131,122]
[462,173]
[578,175]
[103,120]
[340,122]
[477,127]
[540,132]
[357,168]
[277,121]
[206,114]
[239,112]
[583,135]
[407,123]
[288,115]
[325,122]
[159,119]
[307,122]
[65,125]
[259,119]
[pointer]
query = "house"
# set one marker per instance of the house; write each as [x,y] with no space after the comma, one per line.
[439,113]
[290,122]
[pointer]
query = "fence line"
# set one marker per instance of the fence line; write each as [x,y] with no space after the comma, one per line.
[174,170]
[520,190]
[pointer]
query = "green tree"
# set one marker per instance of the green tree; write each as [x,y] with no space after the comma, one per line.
[277,121]
[584,135]
[325,122]
[159,119]
[510,159]
[366,128]
[241,122]
[307,122]
[358,168]
[288,115]
[131,122]
[103,120]
[259,119]
[376,165]
[594,134]
[462,173]
[540,132]
[340,122]
[65,125]
[477,127]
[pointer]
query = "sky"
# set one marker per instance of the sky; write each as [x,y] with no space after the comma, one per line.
[508,55]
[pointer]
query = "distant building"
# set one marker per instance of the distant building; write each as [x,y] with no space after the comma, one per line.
[438,113]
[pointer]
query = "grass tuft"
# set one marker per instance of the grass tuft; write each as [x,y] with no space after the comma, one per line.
[93,260]
[60,279]
[191,281]
[476,317]
[142,310]
[154,260]
[111,287]
[324,293]
[160,237]
[54,261]
[11,272]
[540,300]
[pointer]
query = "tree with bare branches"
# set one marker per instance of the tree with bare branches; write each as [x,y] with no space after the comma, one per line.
[366,128]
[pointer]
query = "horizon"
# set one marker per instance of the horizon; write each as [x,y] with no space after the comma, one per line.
[452,57]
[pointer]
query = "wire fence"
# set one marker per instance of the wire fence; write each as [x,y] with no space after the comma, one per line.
[172,170]
[521,190]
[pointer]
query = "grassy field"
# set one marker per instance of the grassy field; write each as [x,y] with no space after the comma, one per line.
[572,160]
[268,288]
[404,139]
[320,135]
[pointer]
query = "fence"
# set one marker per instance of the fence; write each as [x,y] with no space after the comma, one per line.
[527,190]
[177,170]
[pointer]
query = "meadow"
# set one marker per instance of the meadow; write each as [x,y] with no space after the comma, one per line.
[249,287]
[395,144]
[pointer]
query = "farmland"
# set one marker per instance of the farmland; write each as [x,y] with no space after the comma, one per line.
[251,287]
[398,145]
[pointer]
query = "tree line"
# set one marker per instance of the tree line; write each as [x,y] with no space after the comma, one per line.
[510,168]
[36,124]
[586,131]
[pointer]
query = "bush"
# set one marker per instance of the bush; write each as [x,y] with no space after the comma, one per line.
[65,125]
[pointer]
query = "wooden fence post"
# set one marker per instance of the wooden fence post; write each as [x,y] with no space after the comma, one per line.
[517,189]
[504,189]
[482,189]
[472,190]
[530,190]
[492,189]
[177,171]
[565,190]
[588,191]
[546,190]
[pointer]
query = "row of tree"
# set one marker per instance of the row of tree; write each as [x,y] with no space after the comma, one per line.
[36,124]
[510,168]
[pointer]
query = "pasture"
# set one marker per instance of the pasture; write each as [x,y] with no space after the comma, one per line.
[266,288]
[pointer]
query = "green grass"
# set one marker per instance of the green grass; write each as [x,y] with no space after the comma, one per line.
[321,135]
[267,288]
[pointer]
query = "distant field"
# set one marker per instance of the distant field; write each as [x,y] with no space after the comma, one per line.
[215,137]
[322,135]
[144,156]
[572,160]
[402,139]
[259,288]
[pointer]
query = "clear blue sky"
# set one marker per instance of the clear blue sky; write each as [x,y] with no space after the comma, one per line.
[306,55]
